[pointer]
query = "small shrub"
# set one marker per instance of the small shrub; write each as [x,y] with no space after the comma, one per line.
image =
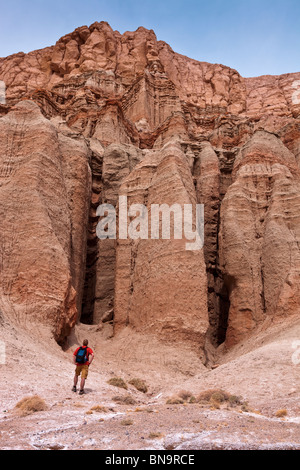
[31,405]
[77,405]
[181,398]
[155,435]
[234,400]
[217,396]
[212,397]
[214,405]
[184,395]
[245,408]
[192,399]
[204,397]
[127,422]
[99,409]
[124,400]
[175,401]
[117,382]
[140,385]
[281,413]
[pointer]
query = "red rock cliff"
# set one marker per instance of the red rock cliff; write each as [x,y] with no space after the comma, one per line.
[102,114]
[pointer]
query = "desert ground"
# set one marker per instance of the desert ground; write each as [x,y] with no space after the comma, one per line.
[261,377]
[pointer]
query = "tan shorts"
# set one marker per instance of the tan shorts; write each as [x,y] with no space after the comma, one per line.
[83,371]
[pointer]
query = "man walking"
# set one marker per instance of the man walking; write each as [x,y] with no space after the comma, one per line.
[83,358]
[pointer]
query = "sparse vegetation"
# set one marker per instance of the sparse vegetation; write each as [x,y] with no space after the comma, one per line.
[213,398]
[185,395]
[29,405]
[143,409]
[139,384]
[214,405]
[99,409]
[175,400]
[124,400]
[281,413]
[78,405]
[234,400]
[216,397]
[155,435]
[245,408]
[118,382]
[127,422]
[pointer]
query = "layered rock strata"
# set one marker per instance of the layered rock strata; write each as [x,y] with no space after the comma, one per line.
[102,114]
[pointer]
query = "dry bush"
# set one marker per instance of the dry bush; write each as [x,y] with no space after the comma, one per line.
[29,405]
[127,422]
[155,435]
[182,397]
[246,408]
[78,405]
[281,413]
[235,400]
[139,384]
[214,405]
[185,395]
[175,400]
[212,395]
[143,409]
[117,382]
[216,397]
[192,399]
[124,400]
[139,410]
[99,409]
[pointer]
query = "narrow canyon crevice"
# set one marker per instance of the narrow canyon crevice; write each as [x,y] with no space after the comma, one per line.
[89,290]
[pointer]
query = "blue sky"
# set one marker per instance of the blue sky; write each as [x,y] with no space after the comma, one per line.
[256,37]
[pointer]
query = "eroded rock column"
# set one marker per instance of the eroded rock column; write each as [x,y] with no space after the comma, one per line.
[259,236]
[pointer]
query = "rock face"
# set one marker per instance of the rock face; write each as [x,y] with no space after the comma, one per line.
[259,235]
[161,286]
[44,192]
[101,115]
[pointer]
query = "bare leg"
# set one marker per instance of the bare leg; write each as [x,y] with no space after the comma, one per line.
[82,383]
[75,380]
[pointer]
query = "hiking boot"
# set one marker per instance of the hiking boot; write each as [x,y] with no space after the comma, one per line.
[74,389]
[81,392]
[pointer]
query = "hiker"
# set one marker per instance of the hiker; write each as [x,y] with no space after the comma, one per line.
[82,360]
